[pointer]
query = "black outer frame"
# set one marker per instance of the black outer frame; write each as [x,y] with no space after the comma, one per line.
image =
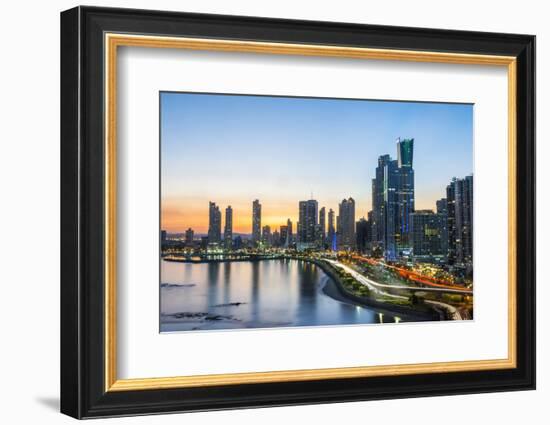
[82,212]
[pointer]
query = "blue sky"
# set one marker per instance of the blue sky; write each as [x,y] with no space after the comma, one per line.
[232,149]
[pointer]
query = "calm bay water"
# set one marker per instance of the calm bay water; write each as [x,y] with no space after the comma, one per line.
[260,294]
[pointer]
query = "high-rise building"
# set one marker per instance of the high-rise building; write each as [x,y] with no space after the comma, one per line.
[405,152]
[393,200]
[441,208]
[322,227]
[307,223]
[383,188]
[331,231]
[290,234]
[460,205]
[189,236]
[404,190]
[214,224]
[391,210]
[363,234]
[346,214]
[266,235]
[283,232]
[228,228]
[163,236]
[372,228]
[338,232]
[427,238]
[256,221]
[276,238]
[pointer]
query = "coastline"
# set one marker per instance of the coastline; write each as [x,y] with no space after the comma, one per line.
[223,260]
[334,288]
[339,293]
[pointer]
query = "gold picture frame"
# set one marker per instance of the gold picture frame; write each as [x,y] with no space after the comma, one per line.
[91,41]
[113,41]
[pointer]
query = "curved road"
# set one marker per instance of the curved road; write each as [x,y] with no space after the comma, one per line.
[409,288]
[378,288]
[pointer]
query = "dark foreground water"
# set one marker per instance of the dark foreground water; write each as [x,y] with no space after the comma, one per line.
[260,294]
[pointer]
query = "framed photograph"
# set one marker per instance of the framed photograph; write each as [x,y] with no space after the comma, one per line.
[261,212]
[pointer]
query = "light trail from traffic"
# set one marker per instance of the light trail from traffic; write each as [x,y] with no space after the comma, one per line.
[414,276]
[377,287]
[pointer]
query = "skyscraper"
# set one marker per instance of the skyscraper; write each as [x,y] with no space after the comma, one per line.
[214,223]
[266,235]
[441,208]
[256,221]
[346,214]
[331,231]
[372,228]
[426,236]
[189,235]
[307,223]
[290,234]
[276,238]
[283,232]
[338,232]
[405,152]
[363,234]
[460,204]
[322,227]
[391,210]
[405,190]
[385,208]
[393,200]
[228,229]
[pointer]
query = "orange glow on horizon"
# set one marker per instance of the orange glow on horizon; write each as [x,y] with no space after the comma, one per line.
[179,215]
[177,219]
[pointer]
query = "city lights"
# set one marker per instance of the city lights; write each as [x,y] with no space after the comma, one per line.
[389,256]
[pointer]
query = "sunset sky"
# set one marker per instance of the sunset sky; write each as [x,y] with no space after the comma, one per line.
[232,149]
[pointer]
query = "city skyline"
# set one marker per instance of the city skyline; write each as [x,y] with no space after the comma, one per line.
[334,166]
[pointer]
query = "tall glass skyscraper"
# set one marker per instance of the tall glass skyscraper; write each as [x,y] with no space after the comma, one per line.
[378,204]
[391,209]
[393,200]
[460,205]
[322,227]
[214,223]
[290,235]
[405,191]
[284,236]
[384,201]
[441,208]
[307,222]
[331,231]
[228,228]
[346,230]
[256,221]
[266,235]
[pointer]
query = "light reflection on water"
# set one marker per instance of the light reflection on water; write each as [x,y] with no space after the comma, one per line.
[260,294]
